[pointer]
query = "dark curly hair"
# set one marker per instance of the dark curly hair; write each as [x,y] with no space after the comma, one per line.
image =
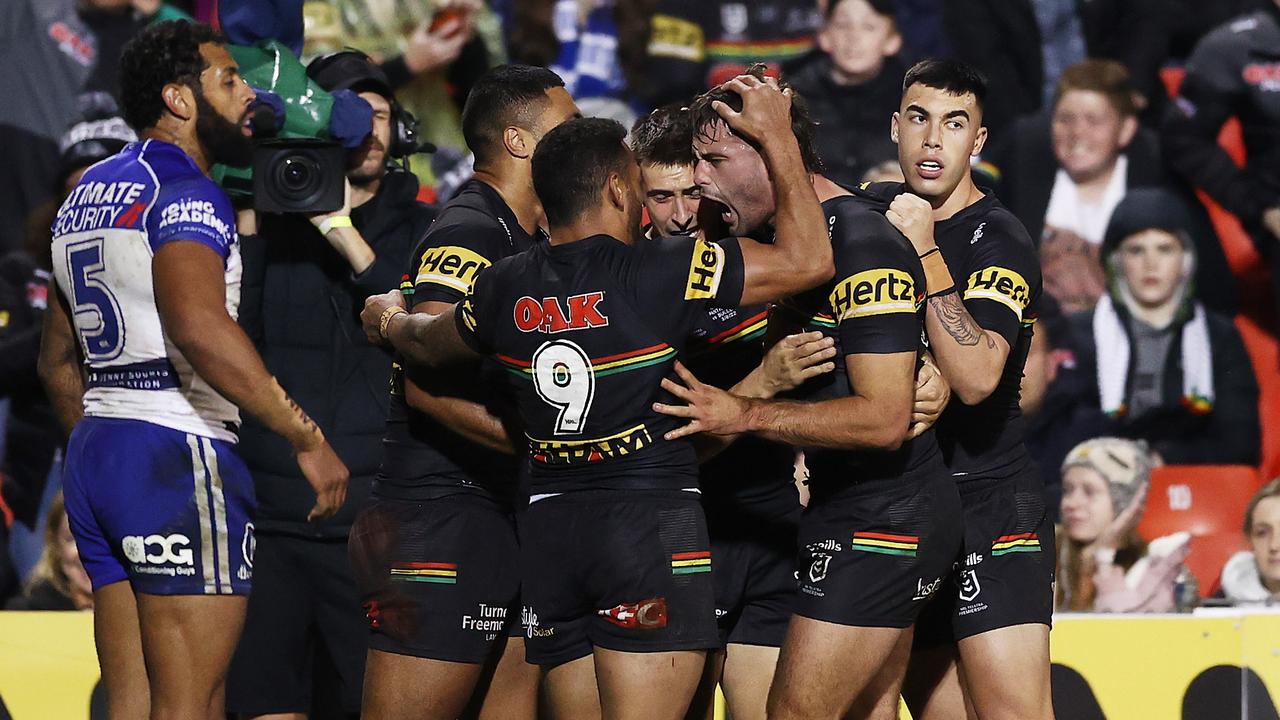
[802,125]
[167,52]
[664,137]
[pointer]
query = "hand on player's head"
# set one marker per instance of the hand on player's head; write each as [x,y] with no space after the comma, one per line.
[766,109]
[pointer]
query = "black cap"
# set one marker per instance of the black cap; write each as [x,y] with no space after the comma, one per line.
[98,133]
[1147,209]
[349,70]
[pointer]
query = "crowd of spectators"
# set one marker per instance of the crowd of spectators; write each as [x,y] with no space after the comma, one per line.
[1112,164]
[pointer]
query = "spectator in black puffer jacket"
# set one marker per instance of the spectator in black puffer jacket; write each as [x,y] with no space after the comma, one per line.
[1234,71]
[853,88]
[305,282]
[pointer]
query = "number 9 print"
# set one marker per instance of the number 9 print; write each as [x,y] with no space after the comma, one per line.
[563,378]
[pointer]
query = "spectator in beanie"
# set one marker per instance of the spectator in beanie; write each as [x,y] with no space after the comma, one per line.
[1103,566]
[1164,368]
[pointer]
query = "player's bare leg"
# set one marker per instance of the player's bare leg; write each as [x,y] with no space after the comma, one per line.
[823,667]
[748,673]
[414,688]
[651,686]
[1012,664]
[703,705]
[281,716]
[570,691]
[119,641]
[933,690]
[879,699]
[510,692]
[187,641]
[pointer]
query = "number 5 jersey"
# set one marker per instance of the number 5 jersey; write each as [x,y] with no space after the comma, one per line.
[104,238]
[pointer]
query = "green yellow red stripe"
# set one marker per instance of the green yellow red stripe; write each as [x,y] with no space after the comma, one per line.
[886,543]
[603,367]
[758,51]
[1021,542]
[428,572]
[752,327]
[688,563]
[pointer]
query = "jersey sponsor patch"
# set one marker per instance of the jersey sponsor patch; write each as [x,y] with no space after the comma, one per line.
[705,271]
[451,266]
[881,291]
[574,452]
[1001,285]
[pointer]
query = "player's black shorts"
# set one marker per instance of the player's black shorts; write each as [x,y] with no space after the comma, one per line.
[623,570]
[755,581]
[439,579]
[874,559]
[1004,576]
[303,607]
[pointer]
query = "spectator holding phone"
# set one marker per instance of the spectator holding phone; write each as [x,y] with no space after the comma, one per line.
[1103,566]
[431,51]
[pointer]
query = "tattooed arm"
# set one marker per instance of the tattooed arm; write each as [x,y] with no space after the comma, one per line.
[970,358]
[190,292]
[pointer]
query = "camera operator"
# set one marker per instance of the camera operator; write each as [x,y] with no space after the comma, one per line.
[305,281]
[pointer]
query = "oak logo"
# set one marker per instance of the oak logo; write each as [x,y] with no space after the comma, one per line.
[452,266]
[705,270]
[1001,285]
[547,315]
[881,291]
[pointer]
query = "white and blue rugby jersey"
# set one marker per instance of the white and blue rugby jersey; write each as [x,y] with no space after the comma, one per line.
[104,238]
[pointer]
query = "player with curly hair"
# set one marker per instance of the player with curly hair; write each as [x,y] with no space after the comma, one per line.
[148,284]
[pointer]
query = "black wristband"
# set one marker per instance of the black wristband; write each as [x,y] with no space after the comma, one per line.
[940,293]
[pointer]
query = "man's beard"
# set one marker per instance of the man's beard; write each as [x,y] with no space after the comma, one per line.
[359,176]
[222,139]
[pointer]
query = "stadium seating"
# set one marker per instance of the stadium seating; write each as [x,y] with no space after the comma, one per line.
[1209,502]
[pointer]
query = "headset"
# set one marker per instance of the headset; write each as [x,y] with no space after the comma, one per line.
[355,68]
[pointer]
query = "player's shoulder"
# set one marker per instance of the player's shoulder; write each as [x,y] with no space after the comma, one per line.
[170,165]
[996,223]
[856,224]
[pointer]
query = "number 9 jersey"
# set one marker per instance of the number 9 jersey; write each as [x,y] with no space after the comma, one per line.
[104,238]
[586,331]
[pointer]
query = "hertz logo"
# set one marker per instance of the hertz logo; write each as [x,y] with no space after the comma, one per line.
[451,266]
[1001,285]
[874,292]
[705,271]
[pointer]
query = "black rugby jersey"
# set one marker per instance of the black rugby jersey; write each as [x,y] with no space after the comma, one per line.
[751,480]
[997,271]
[422,458]
[585,333]
[873,305]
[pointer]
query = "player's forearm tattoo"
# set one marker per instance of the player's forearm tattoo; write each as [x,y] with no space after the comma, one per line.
[957,321]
